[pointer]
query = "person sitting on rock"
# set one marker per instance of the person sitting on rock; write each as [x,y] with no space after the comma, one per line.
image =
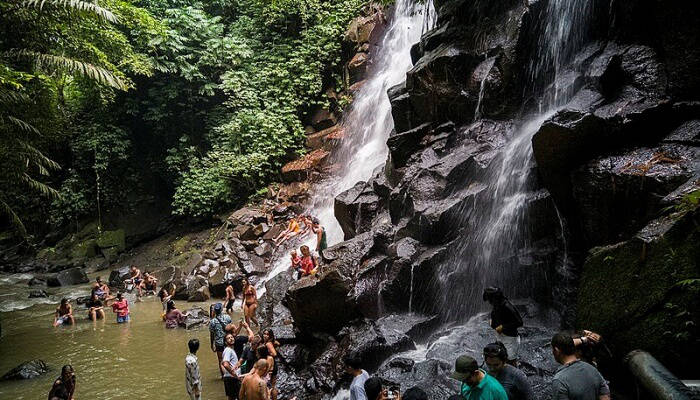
[309,263]
[121,308]
[64,314]
[296,263]
[173,316]
[230,297]
[64,386]
[135,278]
[148,284]
[101,290]
[293,229]
[95,308]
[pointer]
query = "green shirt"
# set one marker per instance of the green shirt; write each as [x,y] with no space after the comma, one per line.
[487,389]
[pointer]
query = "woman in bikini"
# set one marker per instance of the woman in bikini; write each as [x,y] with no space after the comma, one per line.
[250,302]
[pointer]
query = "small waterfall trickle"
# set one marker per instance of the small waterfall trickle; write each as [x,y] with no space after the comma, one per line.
[490,253]
[484,72]
[368,122]
[410,293]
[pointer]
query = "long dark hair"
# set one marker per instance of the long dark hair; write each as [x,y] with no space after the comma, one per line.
[170,306]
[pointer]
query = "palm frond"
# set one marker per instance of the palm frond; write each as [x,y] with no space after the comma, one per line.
[42,188]
[12,96]
[13,217]
[25,126]
[51,63]
[76,5]
[38,158]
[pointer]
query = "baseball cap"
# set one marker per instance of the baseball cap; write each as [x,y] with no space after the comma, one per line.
[464,366]
[218,307]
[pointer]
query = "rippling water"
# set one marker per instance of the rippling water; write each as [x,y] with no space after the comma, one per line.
[137,360]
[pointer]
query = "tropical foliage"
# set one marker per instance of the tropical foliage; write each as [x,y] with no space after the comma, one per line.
[105,105]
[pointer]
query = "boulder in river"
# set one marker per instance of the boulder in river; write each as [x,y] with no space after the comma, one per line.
[117,277]
[37,293]
[27,370]
[37,282]
[196,317]
[68,277]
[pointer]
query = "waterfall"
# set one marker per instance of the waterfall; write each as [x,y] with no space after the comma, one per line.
[491,250]
[368,122]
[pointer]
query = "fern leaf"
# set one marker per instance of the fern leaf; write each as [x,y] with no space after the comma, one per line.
[13,217]
[25,126]
[77,5]
[51,63]
[40,187]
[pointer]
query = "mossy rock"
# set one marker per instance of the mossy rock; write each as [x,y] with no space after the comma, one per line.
[643,293]
[112,240]
[84,249]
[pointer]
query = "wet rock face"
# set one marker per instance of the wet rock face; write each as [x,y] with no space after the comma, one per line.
[28,370]
[71,276]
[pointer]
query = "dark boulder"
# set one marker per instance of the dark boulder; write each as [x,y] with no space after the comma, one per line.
[117,277]
[430,375]
[331,314]
[27,370]
[35,281]
[247,216]
[196,317]
[71,276]
[356,208]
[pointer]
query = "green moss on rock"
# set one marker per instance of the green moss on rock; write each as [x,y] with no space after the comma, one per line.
[112,240]
[633,292]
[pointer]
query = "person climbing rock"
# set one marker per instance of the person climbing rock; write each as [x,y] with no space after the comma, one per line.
[353,366]
[217,332]
[64,314]
[121,308]
[64,386]
[575,379]
[250,303]
[505,320]
[193,381]
[229,360]
[476,383]
[95,308]
[321,240]
[511,378]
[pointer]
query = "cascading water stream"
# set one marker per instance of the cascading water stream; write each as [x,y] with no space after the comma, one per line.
[368,123]
[489,252]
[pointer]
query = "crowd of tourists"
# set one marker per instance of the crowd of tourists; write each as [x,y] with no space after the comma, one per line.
[248,361]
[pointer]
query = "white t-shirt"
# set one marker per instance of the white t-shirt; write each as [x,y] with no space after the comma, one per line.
[357,387]
[230,356]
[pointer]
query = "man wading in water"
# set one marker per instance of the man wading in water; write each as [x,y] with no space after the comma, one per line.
[217,332]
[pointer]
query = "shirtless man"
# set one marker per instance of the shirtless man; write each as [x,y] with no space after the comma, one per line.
[135,278]
[230,298]
[64,314]
[148,284]
[254,386]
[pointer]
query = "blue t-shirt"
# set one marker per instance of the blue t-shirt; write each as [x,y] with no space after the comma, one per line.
[357,387]
[218,327]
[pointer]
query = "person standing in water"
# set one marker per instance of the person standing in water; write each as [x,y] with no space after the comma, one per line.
[250,302]
[229,361]
[64,314]
[321,240]
[217,332]
[64,386]
[505,320]
[121,308]
[95,308]
[253,386]
[193,381]
[230,298]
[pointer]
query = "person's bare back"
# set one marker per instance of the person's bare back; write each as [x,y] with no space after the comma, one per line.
[253,386]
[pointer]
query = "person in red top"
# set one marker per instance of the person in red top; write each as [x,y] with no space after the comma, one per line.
[121,307]
[308,262]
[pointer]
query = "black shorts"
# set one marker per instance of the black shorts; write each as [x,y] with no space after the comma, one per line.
[219,348]
[229,305]
[232,386]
